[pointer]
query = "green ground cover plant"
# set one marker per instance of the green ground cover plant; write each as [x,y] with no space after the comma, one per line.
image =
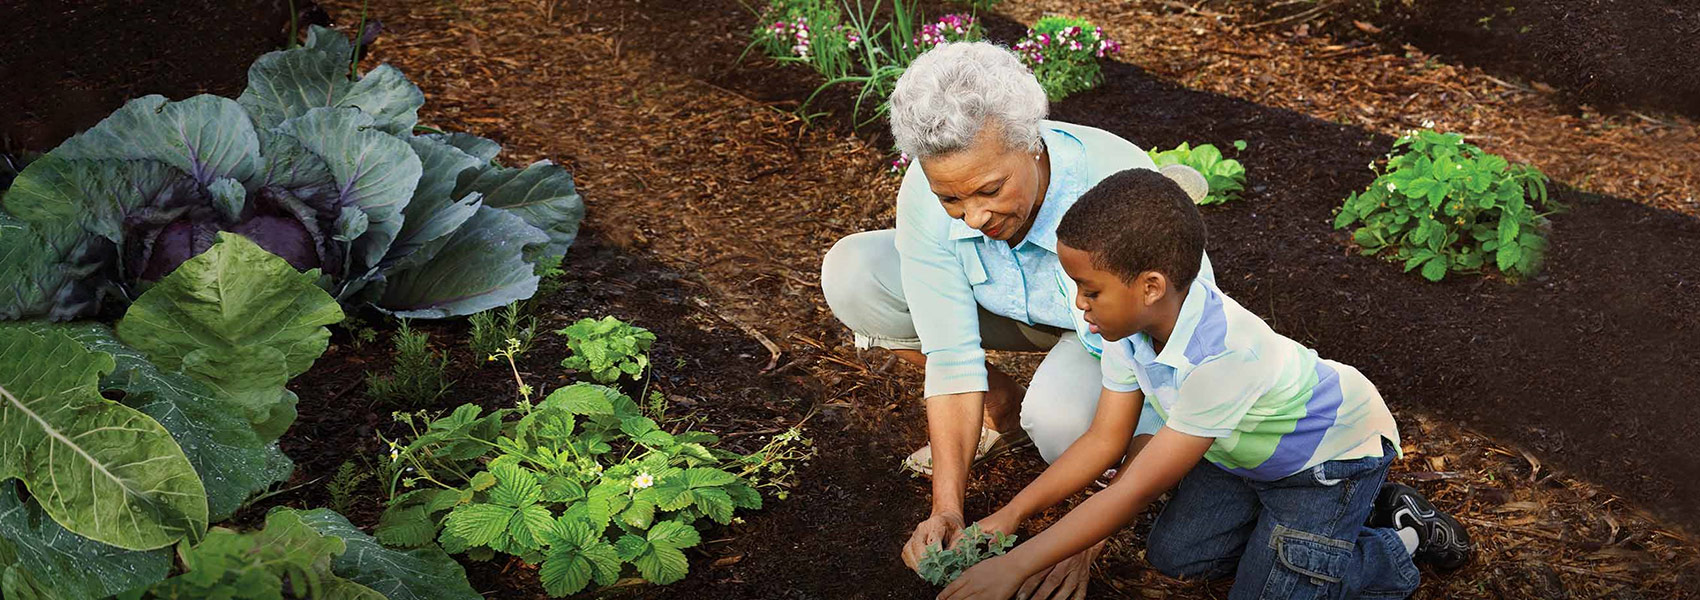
[1441,205]
[607,348]
[579,482]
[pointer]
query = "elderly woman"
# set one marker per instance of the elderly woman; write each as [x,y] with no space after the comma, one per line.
[972,266]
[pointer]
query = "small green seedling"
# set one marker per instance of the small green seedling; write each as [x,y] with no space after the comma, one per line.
[940,566]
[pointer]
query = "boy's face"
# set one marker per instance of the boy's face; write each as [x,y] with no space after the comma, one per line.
[1114,308]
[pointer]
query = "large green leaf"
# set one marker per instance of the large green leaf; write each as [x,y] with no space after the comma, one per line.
[232,461]
[206,136]
[240,320]
[542,194]
[63,564]
[418,574]
[481,266]
[288,83]
[434,210]
[101,469]
[370,170]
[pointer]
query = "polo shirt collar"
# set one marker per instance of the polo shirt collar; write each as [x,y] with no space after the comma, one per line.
[1174,353]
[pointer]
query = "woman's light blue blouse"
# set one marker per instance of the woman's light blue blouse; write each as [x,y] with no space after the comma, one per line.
[949,267]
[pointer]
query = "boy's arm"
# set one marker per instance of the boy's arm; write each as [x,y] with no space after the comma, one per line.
[1105,441]
[1156,469]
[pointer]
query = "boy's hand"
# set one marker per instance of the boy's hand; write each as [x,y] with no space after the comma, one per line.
[1065,581]
[992,579]
[938,529]
[1002,521]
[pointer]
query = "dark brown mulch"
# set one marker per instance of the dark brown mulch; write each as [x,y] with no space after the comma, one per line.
[1615,55]
[68,64]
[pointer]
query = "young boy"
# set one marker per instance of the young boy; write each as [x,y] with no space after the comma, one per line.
[1279,456]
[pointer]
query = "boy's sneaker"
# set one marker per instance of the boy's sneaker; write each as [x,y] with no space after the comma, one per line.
[1441,540]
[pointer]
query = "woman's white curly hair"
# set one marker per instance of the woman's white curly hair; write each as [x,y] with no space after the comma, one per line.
[955,90]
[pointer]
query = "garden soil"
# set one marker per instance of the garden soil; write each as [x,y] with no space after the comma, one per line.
[66,64]
[711,203]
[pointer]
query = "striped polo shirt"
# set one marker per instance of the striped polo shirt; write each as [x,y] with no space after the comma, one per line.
[1273,406]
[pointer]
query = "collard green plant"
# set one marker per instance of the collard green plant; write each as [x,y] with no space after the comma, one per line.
[1445,206]
[286,557]
[316,166]
[100,469]
[940,566]
[413,574]
[1063,53]
[580,483]
[416,376]
[1225,175]
[41,559]
[607,349]
[240,320]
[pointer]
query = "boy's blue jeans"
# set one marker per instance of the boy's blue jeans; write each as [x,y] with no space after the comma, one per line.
[1294,538]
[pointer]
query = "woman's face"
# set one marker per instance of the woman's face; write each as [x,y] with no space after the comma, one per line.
[991,187]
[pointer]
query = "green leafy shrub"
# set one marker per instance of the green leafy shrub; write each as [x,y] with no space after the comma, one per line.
[1444,205]
[1063,53]
[416,375]
[607,349]
[940,566]
[317,165]
[492,330]
[580,483]
[1225,175]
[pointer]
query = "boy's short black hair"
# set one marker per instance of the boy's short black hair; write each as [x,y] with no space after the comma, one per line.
[1135,221]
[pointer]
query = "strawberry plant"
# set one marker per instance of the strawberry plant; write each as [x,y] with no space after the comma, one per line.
[1444,206]
[940,566]
[1063,53]
[580,483]
[1225,175]
[607,349]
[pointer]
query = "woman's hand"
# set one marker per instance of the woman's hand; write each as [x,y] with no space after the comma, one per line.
[1066,580]
[992,579]
[941,528]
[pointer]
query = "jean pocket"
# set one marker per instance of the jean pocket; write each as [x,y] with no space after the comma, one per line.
[1306,565]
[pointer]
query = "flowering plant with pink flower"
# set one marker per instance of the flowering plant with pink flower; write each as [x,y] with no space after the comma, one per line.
[1063,53]
[949,28]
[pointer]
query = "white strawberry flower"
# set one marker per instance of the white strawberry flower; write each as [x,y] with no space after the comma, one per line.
[643,480]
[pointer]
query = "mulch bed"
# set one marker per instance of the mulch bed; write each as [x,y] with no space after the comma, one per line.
[696,171]
[1638,55]
[1289,65]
